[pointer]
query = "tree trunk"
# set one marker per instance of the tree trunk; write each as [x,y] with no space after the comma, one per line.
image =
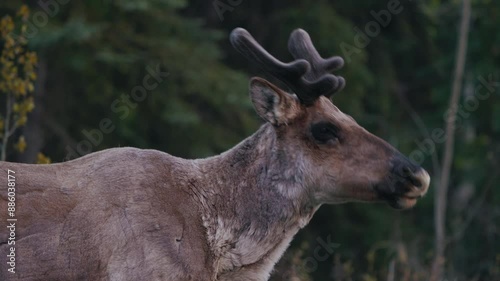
[442,190]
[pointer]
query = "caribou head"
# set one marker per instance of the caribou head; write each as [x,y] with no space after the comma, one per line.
[341,161]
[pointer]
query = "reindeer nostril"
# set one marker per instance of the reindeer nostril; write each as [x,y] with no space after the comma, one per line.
[416,182]
[411,177]
[407,171]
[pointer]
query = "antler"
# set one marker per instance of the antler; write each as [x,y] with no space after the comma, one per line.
[308,76]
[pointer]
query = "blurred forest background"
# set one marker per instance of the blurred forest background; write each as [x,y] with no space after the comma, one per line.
[71,82]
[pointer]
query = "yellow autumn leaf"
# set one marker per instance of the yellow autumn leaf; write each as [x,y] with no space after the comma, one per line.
[31,88]
[32,57]
[6,25]
[21,89]
[17,50]
[21,144]
[29,104]
[22,121]
[24,12]
[42,159]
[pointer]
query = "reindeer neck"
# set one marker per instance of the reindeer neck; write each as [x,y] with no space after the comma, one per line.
[253,200]
[257,172]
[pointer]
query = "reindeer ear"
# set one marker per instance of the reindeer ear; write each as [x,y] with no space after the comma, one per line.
[271,103]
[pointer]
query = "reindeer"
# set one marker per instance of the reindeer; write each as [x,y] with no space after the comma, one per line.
[134,214]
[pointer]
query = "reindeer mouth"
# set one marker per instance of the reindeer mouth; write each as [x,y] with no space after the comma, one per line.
[402,194]
[405,202]
[412,197]
[398,201]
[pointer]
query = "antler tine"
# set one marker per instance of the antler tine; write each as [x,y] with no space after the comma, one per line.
[286,72]
[301,47]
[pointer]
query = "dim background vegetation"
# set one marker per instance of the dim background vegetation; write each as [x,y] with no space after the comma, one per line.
[91,52]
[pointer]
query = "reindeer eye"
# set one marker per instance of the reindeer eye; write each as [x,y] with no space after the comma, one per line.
[324,132]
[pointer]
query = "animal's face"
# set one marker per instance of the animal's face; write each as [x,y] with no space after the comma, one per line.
[337,159]
[342,161]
